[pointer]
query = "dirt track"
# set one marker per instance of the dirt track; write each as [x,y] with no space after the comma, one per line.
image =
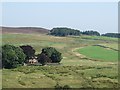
[78,54]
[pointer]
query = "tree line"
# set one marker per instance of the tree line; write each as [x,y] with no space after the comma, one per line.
[13,56]
[64,32]
[68,31]
[116,35]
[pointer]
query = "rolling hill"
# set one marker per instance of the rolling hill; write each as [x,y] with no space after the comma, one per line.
[24,30]
[84,65]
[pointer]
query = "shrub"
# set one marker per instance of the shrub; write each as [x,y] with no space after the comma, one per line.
[66,87]
[21,82]
[58,87]
[12,56]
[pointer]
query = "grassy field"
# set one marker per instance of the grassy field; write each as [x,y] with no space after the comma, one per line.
[99,53]
[75,71]
[49,76]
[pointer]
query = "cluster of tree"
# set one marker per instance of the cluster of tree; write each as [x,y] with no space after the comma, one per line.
[64,32]
[116,35]
[49,54]
[95,33]
[69,31]
[13,56]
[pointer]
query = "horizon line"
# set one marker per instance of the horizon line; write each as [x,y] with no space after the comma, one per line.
[1,26]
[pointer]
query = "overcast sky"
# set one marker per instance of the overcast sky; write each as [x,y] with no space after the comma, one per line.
[100,16]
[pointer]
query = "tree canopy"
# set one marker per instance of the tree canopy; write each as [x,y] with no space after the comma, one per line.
[64,32]
[28,51]
[91,33]
[49,54]
[12,56]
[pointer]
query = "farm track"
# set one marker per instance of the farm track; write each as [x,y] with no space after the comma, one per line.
[76,53]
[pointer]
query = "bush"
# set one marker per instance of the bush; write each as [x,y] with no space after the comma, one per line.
[58,87]
[21,82]
[12,56]
[65,87]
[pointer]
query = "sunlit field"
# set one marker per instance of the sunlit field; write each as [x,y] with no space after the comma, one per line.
[84,65]
[99,53]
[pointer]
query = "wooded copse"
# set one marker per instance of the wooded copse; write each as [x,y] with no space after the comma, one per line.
[13,56]
[68,31]
[49,54]
[64,32]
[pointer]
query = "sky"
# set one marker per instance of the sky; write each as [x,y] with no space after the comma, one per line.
[99,16]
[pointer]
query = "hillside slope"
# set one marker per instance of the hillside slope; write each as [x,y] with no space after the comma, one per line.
[24,30]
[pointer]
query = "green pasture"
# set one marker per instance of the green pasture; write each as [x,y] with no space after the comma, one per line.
[99,53]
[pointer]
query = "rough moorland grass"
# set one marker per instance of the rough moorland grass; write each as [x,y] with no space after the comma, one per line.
[99,38]
[49,76]
[38,41]
[99,53]
[111,45]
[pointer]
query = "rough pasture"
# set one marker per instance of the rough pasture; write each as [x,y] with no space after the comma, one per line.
[75,71]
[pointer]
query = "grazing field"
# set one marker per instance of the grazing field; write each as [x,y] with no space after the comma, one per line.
[74,70]
[99,53]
